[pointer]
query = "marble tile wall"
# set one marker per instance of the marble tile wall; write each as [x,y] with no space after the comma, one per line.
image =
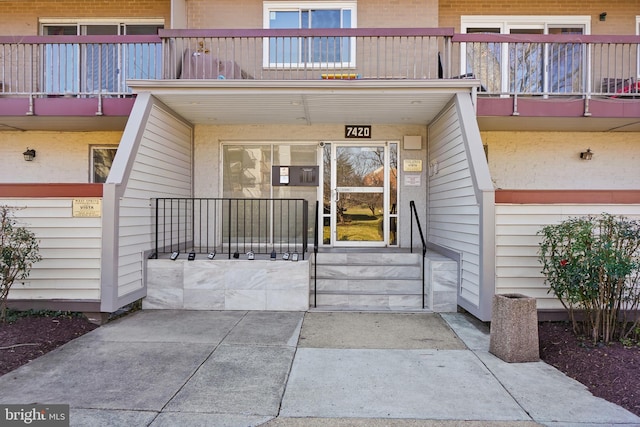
[227,285]
[442,277]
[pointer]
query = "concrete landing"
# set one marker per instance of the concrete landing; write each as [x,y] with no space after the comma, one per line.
[281,369]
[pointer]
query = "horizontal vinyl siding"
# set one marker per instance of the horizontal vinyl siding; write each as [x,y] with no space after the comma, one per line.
[162,168]
[453,211]
[517,267]
[70,249]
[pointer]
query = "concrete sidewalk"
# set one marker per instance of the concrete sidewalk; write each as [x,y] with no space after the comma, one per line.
[205,368]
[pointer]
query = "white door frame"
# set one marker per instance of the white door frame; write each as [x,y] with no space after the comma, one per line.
[336,192]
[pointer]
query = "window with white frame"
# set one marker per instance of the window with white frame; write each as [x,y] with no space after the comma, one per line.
[101,161]
[310,51]
[98,68]
[533,68]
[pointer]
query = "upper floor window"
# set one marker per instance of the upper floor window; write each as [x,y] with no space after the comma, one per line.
[309,51]
[526,67]
[98,68]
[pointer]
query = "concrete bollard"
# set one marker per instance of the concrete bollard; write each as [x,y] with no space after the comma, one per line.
[514,328]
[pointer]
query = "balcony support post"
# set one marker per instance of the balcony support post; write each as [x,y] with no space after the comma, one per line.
[30,112]
[99,112]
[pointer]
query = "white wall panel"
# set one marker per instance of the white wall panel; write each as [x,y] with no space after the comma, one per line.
[449,190]
[458,184]
[517,244]
[161,167]
[70,250]
[154,159]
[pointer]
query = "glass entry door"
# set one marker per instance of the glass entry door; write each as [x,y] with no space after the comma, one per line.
[361,205]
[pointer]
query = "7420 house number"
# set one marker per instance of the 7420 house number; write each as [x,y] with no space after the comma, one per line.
[357,131]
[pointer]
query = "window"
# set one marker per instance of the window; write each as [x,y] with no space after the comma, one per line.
[98,68]
[246,174]
[311,51]
[526,67]
[247,169]
[101,161]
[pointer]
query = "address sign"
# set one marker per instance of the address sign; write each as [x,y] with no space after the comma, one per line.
[357,131]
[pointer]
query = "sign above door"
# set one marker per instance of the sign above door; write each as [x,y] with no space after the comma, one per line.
[357,131]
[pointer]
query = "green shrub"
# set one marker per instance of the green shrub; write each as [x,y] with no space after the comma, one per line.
[592,265]
[18,252]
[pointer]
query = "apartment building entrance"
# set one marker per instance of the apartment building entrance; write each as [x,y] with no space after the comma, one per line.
[360,194]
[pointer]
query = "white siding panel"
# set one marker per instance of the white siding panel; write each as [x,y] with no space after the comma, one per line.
[520,240]
[55,294]
[162,167]
[70,250]
[462,210]
[44,274]
[85,244]
[32,206]
[62,233]
[461,195]
[452,188]
[454,201]
[63,222]
[517,244]
[457,202]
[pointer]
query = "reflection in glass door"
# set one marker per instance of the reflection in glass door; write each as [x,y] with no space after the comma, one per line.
[360,194]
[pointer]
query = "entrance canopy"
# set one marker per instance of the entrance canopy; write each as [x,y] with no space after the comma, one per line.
[245,102]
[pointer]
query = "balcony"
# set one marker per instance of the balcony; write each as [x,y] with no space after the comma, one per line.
[515,75]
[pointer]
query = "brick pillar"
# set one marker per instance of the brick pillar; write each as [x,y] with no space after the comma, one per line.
[514,328]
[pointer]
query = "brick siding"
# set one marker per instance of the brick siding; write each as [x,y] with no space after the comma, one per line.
[21,17]
[371,13]
[621,14]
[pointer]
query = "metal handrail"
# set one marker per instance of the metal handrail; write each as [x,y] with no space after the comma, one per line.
[315,256]
[412,208]
[100,66]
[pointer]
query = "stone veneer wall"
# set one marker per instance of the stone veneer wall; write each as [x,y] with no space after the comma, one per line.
[227,285]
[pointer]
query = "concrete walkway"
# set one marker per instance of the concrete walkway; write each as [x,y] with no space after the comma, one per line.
[281,369]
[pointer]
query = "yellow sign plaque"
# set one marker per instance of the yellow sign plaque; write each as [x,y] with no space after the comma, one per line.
[87,208]
[412,165]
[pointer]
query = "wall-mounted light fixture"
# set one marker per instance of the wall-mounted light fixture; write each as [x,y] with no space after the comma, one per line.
[29,154]
[586,155]
[603,16]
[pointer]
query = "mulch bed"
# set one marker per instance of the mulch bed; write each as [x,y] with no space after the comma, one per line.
[30,337]
[611,372]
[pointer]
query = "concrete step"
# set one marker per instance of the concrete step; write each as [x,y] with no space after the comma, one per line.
[366,302]
[377,272]
[367,281]
[368,258]
[383,281]
[371,287]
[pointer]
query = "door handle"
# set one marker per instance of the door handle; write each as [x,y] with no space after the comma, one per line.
[337,196]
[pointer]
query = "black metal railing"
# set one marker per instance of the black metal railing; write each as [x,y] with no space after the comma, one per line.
[315,255]
[414,215]
[231,226]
